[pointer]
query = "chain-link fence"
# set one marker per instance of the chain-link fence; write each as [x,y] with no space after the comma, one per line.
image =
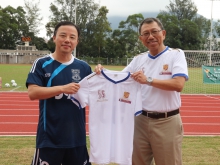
[105,61]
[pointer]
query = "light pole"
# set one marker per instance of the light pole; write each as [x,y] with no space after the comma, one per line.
[75,24]
[211,37]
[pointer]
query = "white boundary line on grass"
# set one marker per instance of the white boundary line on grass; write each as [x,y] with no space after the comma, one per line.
[15,88]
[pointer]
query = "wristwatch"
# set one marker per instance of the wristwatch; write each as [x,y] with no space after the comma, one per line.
[149,80]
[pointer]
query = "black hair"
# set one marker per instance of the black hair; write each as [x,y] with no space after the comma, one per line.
[150,20]
[65,23]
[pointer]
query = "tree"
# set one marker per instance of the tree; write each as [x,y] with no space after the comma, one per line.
[51,45]
[173,32]
[39,42]
[33,17]
[102,26]
[86,12]
[185,29]
[13,26]
[34,20]
[217,30]
[115,47]
[182,9]
[204,29]
[217,27]
[190,35]
[65,10]
[129,34]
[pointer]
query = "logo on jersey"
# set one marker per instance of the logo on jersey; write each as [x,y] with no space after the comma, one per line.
[165,70]
[101,96]
[43,162]
[125,98]
[76,74]
[85,162]
[47,74]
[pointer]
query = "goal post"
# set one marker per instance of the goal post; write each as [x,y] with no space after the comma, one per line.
[129,60]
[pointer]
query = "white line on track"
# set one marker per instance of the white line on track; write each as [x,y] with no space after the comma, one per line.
[201,134]
[201,116]
[202,106]
[18,109]
[17,115]
[16,133]
[19,123]
[214,124]
[200,111]
[20,105]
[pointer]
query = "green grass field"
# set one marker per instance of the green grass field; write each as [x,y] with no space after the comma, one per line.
[196,150]
[19,73]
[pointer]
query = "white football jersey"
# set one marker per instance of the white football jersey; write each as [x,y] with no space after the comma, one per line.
[114,100]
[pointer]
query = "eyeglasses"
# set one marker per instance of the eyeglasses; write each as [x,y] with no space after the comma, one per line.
[153,33]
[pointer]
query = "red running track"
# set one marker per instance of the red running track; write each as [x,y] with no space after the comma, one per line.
[19,115]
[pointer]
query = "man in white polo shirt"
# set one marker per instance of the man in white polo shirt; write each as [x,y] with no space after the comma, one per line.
[162,71]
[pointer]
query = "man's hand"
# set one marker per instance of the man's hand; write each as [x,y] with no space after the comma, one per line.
[98,68]
[71,88]
[139,77]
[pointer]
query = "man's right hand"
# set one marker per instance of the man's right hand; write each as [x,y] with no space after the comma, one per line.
[70,88]
[98,68]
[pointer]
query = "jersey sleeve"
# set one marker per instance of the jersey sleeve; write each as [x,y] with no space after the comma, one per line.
[36,76]
[180,65]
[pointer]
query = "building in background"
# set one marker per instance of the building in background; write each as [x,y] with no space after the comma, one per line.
[24,54]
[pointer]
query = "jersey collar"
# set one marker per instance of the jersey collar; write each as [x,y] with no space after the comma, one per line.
[154,57]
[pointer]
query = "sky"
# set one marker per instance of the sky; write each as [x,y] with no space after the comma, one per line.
[125,7]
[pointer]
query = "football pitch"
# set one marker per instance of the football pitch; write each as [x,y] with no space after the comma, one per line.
[19,72]
[18,150]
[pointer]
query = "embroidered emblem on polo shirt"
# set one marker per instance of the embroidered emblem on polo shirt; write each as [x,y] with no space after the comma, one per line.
[165,70]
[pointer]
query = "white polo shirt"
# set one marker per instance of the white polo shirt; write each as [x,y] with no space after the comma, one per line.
[166,65]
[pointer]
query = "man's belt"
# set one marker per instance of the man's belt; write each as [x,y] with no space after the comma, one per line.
[158,115]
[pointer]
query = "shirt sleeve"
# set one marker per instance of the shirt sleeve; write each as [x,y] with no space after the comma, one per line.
[180,65]
[82,96]
[36,75]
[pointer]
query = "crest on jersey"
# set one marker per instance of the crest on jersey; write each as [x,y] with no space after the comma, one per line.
[165,67]
[76,74]
[125,98]
[165,70]
[47,74]
[101,96]
[126,95]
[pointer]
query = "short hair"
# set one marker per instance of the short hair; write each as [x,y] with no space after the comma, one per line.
[149,21]
[65,23]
